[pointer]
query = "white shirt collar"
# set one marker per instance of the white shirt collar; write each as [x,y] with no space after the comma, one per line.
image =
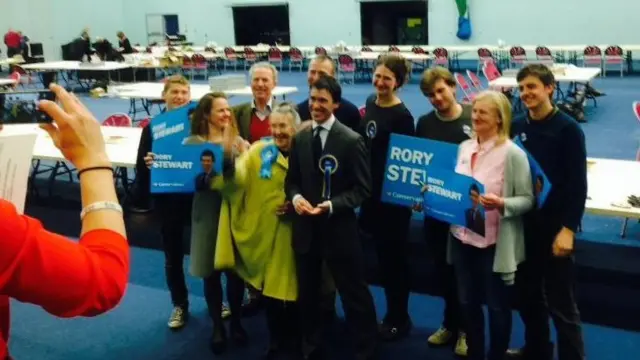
[327,125]
[269,104]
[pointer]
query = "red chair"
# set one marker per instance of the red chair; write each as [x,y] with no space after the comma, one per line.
[544,55]
[592,55]
[441,57]
[347,67]
[144,123]
[636,110]
[484,55]
[517,55]
[119,120]
[475,80]
[250,57]
[296,58]
[274,56]
[199,63]
[613,55]
[469,95]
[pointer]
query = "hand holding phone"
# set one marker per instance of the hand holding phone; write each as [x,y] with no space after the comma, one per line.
[22,107]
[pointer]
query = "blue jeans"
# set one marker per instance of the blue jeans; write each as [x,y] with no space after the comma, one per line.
[477,282]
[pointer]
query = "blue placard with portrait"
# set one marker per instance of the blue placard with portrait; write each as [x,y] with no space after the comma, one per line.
[541,184]
[454,198]
[408,160]
[181,163]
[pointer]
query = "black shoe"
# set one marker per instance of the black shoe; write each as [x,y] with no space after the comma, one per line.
[218,342]
[238,335]
[140,209]
[393,332]
[272,352]
[252,306]
[521,354]
[514,354]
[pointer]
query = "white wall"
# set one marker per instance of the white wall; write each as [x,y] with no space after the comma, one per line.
[542,22]
[58,24]
[325,22]
[309,22]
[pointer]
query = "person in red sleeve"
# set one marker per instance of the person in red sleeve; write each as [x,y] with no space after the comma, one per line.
[84,278]
[12,39]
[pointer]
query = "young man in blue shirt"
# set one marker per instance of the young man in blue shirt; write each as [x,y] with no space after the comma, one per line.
[557,143]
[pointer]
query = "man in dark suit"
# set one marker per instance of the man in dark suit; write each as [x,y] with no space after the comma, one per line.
[325,228]
[207,162]
[474,217]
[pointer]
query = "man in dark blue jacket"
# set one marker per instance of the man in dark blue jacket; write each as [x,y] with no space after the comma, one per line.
[557,143]
[347,113]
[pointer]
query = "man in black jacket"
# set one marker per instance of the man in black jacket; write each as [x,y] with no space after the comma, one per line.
[545,280]
[346,112]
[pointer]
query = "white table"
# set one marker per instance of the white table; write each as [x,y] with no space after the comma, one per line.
[611,182]
[152,91]
[572,74]
[121,143]
[6,82]
[76,66]
[62,67]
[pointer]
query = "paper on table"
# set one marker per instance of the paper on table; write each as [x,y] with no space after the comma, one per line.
[16,151]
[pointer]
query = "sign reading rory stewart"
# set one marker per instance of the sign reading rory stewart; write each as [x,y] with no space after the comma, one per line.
[181,161]
[407,163]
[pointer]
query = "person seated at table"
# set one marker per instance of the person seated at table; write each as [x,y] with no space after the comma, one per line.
[124,45]
[67,278]
[254,237]
[80,48]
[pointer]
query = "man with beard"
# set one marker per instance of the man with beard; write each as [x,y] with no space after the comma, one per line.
[449,122]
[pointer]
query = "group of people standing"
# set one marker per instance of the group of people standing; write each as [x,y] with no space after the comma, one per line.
[281,219]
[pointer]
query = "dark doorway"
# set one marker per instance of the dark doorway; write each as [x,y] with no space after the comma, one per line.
[261,24]
[171,25]
[394,22]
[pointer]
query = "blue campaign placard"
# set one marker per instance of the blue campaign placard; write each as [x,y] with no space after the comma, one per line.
[408,160]
[180,160]
[541,184]
[454,198]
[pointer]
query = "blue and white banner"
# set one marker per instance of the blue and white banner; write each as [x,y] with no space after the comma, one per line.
[541,184]
[454,198]
[408,161]
[180,160]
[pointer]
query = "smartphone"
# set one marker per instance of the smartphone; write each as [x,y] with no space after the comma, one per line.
[21,107]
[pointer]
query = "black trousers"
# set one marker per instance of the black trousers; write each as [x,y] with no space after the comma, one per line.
[348,273]
[390,235]
[282,323]
[213,295]
[545,286]
[437,234]
[174,214]
[142,184]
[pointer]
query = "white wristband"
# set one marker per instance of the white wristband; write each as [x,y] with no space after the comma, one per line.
[100,205]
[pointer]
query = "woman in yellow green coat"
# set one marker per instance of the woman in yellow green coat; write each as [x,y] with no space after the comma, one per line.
[254,232]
